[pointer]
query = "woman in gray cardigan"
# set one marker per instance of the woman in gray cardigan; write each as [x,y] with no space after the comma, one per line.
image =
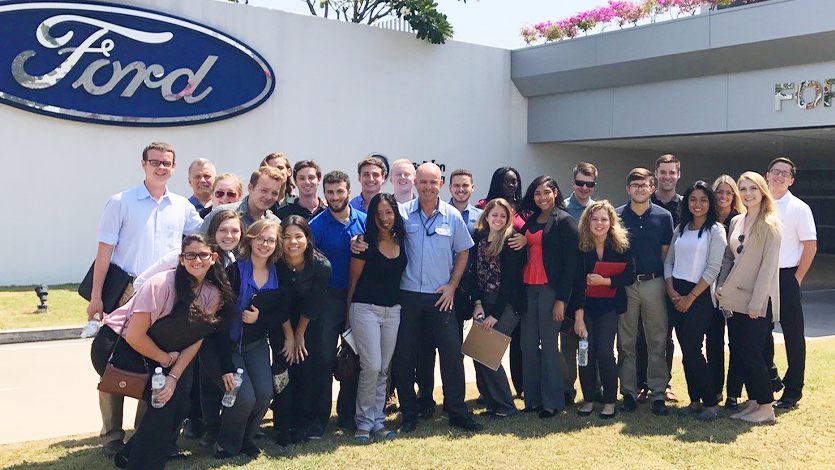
[690,271]
[749,286]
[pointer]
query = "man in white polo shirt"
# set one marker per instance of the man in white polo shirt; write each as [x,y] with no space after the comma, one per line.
[138,226]
[797,250]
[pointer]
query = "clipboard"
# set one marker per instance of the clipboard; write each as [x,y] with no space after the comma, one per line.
[485,345]
[605,269]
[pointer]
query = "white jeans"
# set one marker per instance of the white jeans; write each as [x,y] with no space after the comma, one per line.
[375,334]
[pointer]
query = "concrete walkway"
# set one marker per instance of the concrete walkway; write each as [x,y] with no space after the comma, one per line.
[48,389]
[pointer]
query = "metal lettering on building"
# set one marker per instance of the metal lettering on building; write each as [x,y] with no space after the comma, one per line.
[808,94]
[116,65]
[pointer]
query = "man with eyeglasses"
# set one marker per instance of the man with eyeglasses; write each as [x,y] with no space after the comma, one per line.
[332,231]
[307,176]
[265,185]
[797,251]
[138,226]
[201,178]
[650,232]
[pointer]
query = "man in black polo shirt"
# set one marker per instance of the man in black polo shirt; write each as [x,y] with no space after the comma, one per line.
[306,175]
[667,174]
[650,232]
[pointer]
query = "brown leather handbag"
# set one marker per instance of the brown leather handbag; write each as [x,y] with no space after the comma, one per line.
[122,382]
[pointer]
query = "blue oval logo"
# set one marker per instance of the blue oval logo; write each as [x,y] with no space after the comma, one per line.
[110,64]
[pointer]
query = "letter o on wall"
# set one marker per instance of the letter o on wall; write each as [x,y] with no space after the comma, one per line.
[818,94]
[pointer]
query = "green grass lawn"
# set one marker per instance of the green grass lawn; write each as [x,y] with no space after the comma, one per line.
[803,438]
[18,307]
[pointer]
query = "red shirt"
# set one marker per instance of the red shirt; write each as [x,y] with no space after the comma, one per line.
[534,272]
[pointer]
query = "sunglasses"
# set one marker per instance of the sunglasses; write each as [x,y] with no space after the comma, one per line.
[588,184]
[219,194]
[203,255]
[739,248]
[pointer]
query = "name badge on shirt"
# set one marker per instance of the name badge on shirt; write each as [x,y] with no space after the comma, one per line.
[444,230]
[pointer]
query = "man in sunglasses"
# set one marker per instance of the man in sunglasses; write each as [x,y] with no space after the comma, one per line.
[138,226]
[585,179]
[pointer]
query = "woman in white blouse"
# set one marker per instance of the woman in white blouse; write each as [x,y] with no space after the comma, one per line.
[690,270]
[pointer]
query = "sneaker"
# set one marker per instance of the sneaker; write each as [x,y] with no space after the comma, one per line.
[629,405]
[384,433]
[659,408]
[362,437]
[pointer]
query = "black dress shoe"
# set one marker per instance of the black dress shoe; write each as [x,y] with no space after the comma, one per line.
[545,413]
[629,404]
[315,431]
[466,423]
[407,426]
[222,454]
[120,460]
[251,450]
[112,448]
[786,403]
[659,408]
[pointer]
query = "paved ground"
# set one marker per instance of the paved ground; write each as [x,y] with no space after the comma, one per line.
[48,389]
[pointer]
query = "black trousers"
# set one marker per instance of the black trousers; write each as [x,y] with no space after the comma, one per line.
[293,407]
[446,333]
[691,328]
[516,359]
[209,378]
[602,326]
[791,322]
[642,358]
[749,353]
[328,327]
[715,348]
[425,371]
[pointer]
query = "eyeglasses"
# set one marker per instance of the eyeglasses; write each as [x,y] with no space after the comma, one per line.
[259,240]
[640,186]
[220,193]
[588,184]
[203,255]
[784,174]
[739,248]
[164,163]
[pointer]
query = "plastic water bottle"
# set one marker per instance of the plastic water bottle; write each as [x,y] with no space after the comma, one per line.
[583,352]
[90,329]
[157,384]
[230,395]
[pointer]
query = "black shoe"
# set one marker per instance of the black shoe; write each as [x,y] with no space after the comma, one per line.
[533,409]
[120,460]
[487,413]
[776,385]
[251,450]
[481,400]
[659,408]
[407,426]
[629,404]
[546,413]
[112,448]
[283,438]
[466,423]
[426,412]
[786,403]
[731,404]
[315,431]
[221,454]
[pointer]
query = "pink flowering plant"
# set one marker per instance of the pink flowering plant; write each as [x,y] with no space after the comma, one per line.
[620,12]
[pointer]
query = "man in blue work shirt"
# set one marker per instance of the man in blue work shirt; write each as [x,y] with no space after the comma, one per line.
[437,244]
[332,232]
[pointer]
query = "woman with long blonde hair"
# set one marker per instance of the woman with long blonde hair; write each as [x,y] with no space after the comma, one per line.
[601,238]
[749,291]
[495,281]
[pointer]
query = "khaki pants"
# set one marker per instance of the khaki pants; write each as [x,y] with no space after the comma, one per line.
[646,303]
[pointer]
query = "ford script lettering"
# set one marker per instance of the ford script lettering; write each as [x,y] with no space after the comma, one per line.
[124,66]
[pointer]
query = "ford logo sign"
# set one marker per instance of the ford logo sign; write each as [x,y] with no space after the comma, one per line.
[123,66]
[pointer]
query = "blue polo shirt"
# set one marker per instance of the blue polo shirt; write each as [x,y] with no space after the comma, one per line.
[574,208]
[647,234]
[358,203]
[470,215]
[431,245]
[333,238]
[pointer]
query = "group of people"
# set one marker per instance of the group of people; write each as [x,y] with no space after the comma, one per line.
[265,284]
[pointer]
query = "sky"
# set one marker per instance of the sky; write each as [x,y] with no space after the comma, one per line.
[488,22]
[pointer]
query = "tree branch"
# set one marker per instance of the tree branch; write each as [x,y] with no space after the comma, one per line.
[312,8]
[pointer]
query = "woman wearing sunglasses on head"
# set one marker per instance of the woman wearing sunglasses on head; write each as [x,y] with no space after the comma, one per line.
[252,276]
[182,303]
[749,287]
[728,206]
[690,270]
